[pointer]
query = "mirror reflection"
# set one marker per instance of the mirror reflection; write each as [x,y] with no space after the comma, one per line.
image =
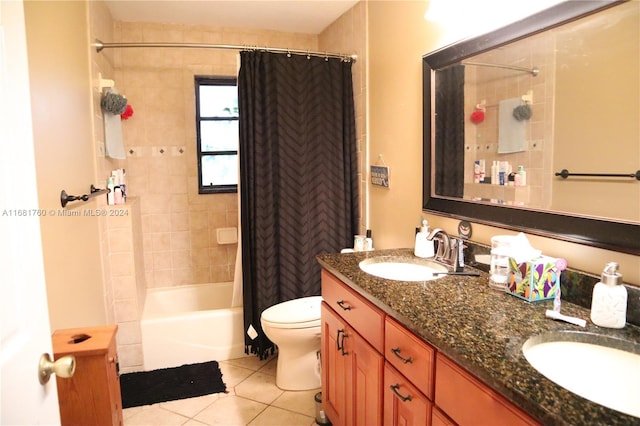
[566,98]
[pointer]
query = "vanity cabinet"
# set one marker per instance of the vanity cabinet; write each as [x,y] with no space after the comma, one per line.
[352,365]
[376,371]
[92,395]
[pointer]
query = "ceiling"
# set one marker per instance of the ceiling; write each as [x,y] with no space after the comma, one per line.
[301,16]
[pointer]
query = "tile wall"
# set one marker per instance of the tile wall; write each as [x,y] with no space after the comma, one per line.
[348,34]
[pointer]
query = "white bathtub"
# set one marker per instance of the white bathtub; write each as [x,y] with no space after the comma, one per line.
[190,324]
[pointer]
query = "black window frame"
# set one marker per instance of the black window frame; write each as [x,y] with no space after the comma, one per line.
[212,81]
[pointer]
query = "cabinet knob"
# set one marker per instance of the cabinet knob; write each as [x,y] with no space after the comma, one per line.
[63,367]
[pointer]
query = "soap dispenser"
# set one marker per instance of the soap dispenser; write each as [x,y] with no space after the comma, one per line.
[609,302]
[424,247]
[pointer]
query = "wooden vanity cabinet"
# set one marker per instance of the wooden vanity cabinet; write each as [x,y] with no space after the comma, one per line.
[468,401]
[92,395]
[352,368]
[376,371]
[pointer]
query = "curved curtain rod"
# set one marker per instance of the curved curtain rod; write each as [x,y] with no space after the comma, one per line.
[99,45]
[533,71]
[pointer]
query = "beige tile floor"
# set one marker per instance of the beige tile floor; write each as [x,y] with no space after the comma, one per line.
[252,399]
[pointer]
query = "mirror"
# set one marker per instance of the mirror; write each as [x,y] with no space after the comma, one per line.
[558,90]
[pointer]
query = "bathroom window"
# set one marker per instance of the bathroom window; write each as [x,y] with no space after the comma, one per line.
[217,133]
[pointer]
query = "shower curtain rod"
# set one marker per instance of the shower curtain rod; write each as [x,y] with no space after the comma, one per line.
[99,45]
[533,71]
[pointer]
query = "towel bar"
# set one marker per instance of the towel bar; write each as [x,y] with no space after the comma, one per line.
[564,173]
[65,198]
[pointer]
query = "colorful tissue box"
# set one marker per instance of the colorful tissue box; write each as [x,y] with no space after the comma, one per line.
[535,280]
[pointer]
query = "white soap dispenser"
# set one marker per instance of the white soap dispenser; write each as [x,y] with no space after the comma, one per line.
[424,247]
[609,302]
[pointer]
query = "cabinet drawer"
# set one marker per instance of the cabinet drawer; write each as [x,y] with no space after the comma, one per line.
[403,403]
[468,401]
[413,357]
[365,318]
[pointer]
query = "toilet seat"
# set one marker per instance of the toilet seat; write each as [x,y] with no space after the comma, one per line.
[297,313]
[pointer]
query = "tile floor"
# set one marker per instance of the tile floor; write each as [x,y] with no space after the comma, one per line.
[253,399]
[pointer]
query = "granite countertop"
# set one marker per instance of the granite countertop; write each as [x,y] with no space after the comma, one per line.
[483,330]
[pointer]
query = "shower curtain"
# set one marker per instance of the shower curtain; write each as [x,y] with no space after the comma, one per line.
[298,177]
[449,152]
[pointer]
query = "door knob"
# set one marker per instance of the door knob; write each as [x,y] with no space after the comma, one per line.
[63,367]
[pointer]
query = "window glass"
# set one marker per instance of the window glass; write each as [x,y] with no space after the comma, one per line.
[219,135]
[218,101]
[220,170]
[217,118]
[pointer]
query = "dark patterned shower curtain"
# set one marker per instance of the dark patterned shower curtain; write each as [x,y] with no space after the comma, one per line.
[298,176]
[449,153]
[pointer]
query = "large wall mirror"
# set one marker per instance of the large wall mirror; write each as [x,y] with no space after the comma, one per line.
[524,126]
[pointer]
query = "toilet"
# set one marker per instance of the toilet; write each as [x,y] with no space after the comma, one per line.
[294,326]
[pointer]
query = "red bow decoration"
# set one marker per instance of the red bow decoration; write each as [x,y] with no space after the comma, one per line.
[128,112]
[477,116]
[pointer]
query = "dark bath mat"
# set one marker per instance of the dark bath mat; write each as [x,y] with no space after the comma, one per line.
[168,384]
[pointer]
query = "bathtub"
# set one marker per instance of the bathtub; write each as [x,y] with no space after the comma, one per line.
[190,324]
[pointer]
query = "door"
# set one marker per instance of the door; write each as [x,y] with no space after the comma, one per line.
[365,382]
[24,317]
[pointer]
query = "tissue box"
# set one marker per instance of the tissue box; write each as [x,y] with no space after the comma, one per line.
[534,280]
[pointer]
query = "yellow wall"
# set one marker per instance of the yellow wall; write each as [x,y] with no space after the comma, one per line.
[398,38]
[61,104]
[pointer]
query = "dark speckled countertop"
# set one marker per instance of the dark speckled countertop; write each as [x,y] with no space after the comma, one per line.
[483,330]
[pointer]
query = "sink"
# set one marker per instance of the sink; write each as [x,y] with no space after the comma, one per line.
[402,268]
[602,369]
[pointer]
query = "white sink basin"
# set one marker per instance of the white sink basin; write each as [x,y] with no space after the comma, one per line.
[589,365]
[402,269]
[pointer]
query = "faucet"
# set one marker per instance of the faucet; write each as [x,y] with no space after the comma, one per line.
[449,249]
[441,236]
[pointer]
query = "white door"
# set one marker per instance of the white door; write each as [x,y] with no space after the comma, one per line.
[24,318]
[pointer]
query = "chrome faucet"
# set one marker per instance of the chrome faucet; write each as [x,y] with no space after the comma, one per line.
[449,249]
[441,236]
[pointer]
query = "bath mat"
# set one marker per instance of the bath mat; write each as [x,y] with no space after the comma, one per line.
[168,384]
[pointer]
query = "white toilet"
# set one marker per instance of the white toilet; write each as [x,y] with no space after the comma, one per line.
[294,326]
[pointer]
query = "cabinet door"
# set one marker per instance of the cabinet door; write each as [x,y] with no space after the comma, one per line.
[366,381]
[335,367]
[404,405]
